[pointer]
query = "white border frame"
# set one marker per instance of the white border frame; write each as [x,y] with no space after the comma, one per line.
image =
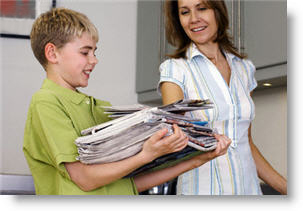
[22,26]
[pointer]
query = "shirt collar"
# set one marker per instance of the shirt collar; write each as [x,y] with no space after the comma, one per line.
[74,96]
[193,52]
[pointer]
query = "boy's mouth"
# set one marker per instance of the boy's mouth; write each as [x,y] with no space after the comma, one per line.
[87,73]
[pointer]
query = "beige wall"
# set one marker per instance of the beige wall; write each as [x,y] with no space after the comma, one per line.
[269,129]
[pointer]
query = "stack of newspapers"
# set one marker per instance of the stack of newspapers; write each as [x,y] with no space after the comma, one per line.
[124,136]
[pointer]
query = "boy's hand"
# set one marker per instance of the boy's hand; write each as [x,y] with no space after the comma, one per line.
[158,145]
[222,146]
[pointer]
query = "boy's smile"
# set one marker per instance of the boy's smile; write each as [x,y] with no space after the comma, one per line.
[75,62]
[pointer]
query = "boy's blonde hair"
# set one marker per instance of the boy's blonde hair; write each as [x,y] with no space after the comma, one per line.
[59,26]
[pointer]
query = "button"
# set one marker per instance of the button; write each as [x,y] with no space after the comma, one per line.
[87,102]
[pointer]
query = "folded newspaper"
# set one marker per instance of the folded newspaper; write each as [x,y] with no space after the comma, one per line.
[124,136]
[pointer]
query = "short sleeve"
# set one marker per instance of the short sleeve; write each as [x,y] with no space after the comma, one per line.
[251,70]
[56,134]
[171,71]
[100,115]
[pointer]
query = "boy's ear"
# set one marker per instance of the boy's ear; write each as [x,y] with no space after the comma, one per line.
[50,53]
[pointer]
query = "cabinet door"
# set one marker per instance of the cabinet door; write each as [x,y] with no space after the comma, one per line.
[149,39]
[265,32]
[233,8]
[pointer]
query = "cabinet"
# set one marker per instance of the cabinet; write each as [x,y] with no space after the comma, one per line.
[259,28]
[150,36]
[264,34]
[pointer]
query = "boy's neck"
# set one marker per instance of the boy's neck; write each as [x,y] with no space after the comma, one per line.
[52,75]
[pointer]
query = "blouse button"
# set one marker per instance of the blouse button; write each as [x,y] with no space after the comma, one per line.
[87,102]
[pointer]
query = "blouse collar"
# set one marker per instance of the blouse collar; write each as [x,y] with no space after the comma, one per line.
[193,52]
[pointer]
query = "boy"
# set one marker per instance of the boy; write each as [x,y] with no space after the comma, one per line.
[64,42]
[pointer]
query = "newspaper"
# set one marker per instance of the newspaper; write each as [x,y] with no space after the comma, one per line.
[123,137]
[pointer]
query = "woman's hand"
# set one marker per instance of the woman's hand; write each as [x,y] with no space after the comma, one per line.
[158,145]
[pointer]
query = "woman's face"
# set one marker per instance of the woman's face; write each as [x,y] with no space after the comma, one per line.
[198,21]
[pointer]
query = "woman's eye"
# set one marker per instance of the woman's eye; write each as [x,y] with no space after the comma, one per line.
[183,12]
[202,8]
[84,53]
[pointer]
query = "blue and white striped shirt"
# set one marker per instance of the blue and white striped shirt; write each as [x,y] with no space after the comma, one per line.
[235,172]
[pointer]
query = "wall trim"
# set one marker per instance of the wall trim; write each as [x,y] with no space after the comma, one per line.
[16,184]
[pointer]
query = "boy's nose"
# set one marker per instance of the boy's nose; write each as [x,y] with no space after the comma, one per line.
[93,60]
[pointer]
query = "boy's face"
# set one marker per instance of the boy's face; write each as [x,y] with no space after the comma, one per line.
[76,60]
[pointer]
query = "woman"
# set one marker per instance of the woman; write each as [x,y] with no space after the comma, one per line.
[206,65]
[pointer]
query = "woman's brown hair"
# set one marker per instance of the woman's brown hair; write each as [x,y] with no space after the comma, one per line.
[177,37]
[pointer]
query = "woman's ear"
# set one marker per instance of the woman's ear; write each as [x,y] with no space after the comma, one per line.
[50,53]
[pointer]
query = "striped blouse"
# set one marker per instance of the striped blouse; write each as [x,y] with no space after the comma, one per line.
[235,172]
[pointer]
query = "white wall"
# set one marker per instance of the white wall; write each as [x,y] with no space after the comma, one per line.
[21,75]
[114,77]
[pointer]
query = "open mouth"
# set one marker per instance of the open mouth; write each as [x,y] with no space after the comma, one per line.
[198,29]
[87,72]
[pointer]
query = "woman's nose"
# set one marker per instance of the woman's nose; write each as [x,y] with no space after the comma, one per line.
[194,17]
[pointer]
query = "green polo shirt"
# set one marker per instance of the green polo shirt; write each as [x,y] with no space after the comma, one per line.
[55,119]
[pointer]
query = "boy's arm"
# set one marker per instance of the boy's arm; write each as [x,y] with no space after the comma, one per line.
[90,177]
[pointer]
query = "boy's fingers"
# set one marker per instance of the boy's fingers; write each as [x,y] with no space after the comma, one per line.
[176,139]
[223,138]
[182,143]
[174,136]
[177,130]
[159,134]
